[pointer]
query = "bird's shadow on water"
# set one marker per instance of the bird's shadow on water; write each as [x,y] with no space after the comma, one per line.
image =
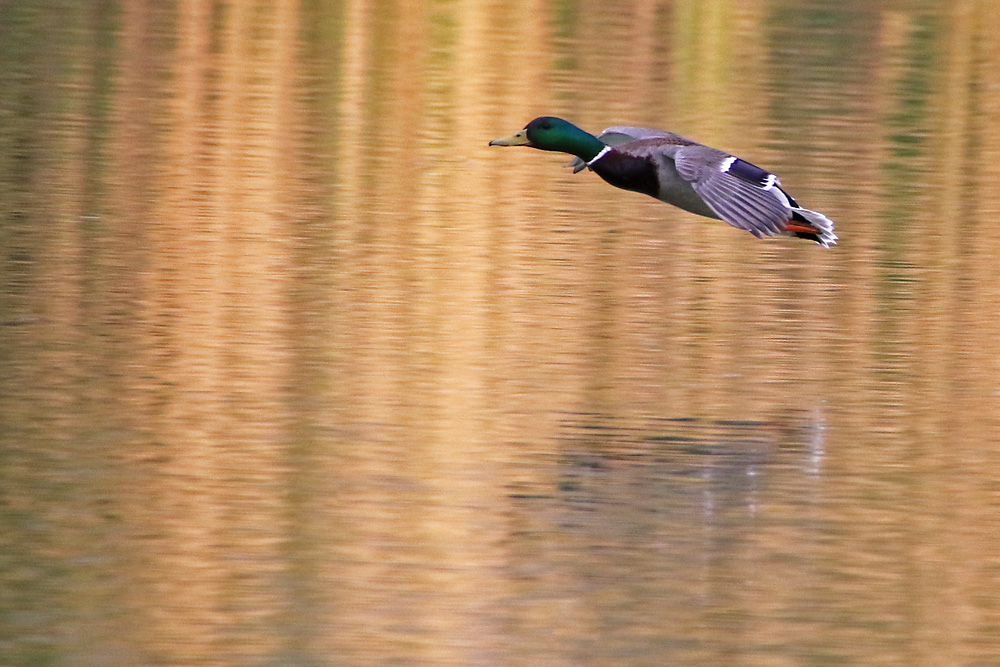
[712,466]
[685,490]
[666,534]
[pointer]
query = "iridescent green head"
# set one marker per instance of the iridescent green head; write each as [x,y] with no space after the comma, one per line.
[548,133]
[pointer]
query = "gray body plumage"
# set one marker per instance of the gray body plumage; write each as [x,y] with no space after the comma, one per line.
[709,182]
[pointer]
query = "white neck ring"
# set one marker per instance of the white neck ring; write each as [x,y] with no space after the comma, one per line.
[604,151]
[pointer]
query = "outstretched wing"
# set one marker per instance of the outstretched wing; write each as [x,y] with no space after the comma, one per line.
[620,134]
[742,194]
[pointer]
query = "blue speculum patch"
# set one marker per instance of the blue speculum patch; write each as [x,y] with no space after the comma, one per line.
[750,173]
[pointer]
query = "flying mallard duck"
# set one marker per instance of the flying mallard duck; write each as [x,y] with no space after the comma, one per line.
[681,172]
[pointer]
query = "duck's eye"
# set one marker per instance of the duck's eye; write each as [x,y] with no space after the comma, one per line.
[546,126]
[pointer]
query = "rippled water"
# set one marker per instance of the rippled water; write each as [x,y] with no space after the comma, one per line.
[296,370]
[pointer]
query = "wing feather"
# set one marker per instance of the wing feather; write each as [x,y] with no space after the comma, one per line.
[750,207]
[742,203]
[620,134]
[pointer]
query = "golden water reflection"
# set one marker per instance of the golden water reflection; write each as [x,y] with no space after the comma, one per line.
[297,370]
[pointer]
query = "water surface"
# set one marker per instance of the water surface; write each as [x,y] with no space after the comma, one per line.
[296,370]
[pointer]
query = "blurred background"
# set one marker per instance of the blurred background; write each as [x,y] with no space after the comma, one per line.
[295,370]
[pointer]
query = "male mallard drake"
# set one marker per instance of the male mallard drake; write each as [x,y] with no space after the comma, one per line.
[681,172]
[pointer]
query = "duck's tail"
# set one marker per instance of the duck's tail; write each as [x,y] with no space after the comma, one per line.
[811,225]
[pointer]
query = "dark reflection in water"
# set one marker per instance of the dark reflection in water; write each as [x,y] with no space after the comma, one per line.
[295,370]
[708,527]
